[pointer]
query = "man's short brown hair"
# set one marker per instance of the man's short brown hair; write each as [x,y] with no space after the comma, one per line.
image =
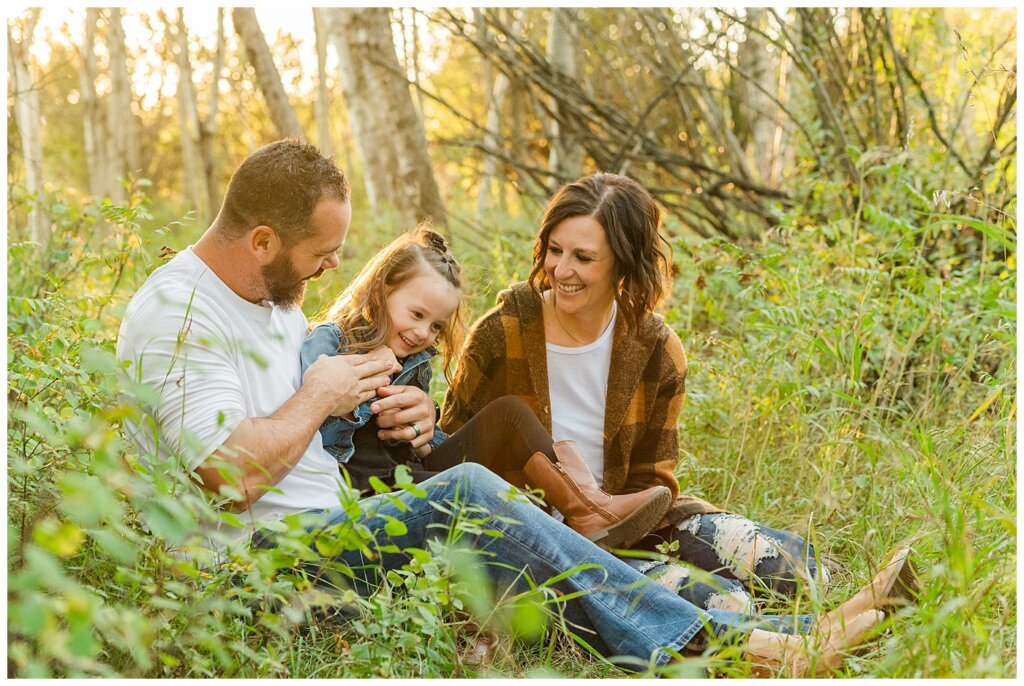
[280,186]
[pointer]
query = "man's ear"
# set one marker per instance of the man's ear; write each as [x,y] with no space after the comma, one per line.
[264,243]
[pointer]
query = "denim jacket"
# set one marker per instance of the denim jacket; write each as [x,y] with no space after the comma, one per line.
[337,432]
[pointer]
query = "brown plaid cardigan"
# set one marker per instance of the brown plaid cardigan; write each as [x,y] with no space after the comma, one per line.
[506,355]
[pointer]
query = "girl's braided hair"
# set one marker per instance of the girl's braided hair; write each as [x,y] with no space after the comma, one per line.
[361,310]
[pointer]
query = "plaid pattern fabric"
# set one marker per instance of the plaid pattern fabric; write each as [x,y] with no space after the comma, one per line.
[506,355]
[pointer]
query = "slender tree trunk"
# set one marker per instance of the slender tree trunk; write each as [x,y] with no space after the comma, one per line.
[93,126]
[27,115]
[389,133]
[783,152]
[208,128]
[194,180]
[323,103]
[124,154]
[565,154]
[416,60]
[755,127]
[492,136]
[281,111]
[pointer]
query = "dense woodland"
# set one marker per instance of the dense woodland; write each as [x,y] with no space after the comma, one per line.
[839,187]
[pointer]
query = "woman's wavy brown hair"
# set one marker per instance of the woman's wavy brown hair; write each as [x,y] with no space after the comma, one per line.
[361,310]
[631,222]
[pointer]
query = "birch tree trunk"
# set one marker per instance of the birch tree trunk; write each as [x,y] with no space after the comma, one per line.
[93,125]
[124,155]
[565,154]
[208,127]
[27,115]
[756,125]
[323,102]
[389,134]
[194,180]
[416,60]
[492,128]
[281,111]
[782,153]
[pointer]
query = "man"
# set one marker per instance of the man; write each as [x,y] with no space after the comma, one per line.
[216,332]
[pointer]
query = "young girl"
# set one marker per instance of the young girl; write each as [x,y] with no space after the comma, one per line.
[408,299]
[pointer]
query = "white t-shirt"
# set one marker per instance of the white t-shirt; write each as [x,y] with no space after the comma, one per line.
[578,387]
[236,360]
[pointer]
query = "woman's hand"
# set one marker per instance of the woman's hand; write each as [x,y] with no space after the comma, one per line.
[405,413]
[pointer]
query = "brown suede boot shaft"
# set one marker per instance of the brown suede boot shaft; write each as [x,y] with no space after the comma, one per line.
[570,487]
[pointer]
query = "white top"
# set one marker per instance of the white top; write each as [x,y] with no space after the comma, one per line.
[236,361]
[578,387]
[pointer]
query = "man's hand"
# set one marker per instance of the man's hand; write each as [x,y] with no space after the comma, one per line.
[265,449]
[349,380]
[399,409]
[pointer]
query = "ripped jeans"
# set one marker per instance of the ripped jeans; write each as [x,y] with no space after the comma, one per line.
[726,556]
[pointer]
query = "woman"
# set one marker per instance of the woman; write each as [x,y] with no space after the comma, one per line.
[580,344]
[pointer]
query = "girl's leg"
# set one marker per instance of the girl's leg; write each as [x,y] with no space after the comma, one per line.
[737,548]
[503,436]
[507,438]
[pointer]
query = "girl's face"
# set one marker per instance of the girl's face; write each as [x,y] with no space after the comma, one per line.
[580,267]
[420,309]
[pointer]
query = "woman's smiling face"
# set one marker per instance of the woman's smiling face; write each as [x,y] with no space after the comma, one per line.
[580,266]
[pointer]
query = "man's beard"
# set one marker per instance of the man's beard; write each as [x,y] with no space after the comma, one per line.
[285,285]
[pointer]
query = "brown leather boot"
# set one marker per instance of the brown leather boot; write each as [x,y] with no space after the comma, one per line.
[610,521]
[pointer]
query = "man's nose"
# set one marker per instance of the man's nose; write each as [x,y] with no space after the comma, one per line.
[331,261]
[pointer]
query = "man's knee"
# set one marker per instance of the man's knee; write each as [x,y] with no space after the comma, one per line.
[477,478]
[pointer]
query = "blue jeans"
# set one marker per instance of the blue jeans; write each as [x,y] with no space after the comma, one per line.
[612,607]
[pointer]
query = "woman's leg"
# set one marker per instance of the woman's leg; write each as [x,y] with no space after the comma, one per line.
[706,590]
[737,548]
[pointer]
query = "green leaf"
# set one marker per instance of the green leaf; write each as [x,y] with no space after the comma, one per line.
[82,642]
[87,500]
[1007,239]
[98,360]
[28,616]
[378,485]
[412,489]
[403,475]
[231,519]
[395,527]
[62,539]
[168,520]
[529,619]
[114,545]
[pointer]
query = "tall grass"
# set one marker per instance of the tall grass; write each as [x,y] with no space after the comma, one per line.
[852,383]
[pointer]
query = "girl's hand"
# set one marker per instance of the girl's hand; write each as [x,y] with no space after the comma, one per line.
[404,413]
[385,353]
[422,451]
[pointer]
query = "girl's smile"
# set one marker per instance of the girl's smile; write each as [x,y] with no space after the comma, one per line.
[419,310]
